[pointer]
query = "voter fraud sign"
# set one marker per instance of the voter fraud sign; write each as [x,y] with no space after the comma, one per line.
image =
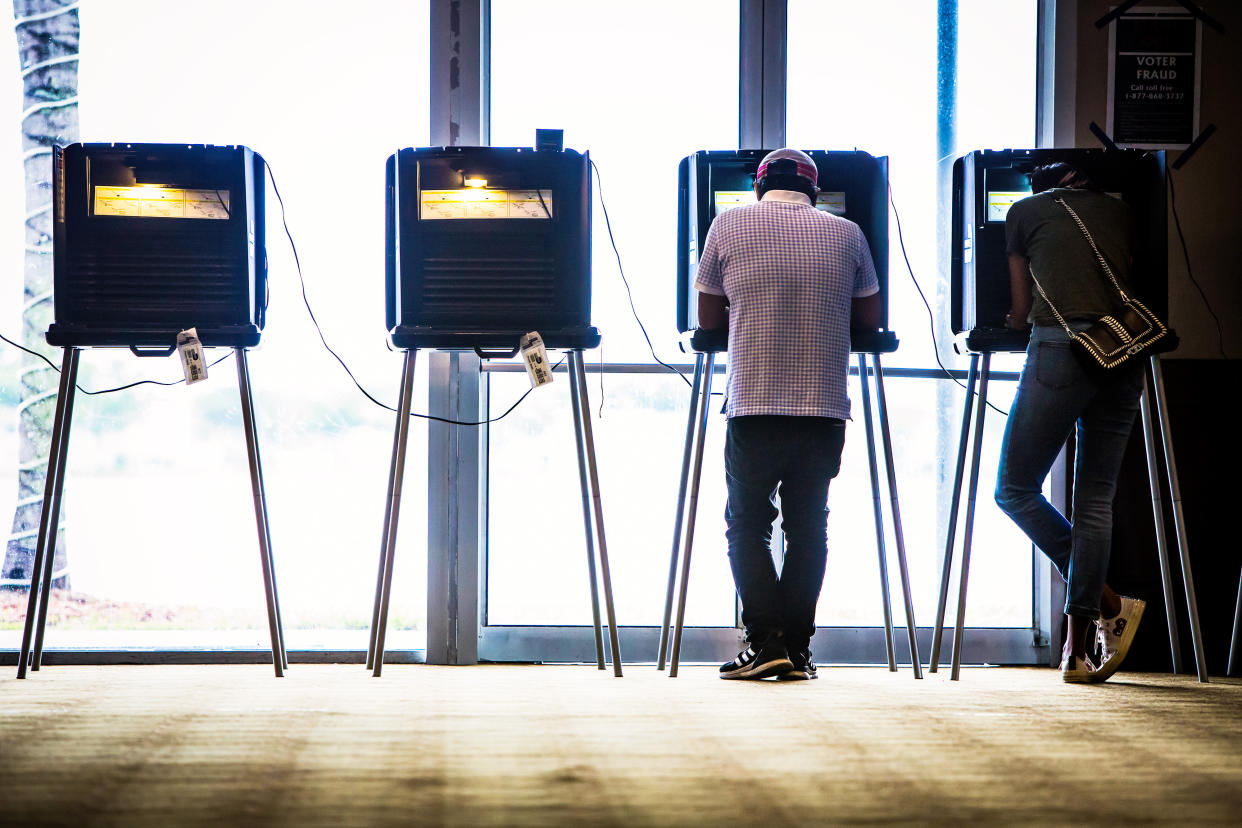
[1153,78]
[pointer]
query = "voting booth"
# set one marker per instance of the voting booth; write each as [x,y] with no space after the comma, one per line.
[154,245]
[152,239]
[853,185]
[485,246]
[986,183]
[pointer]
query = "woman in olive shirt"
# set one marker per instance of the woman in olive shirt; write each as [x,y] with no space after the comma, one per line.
[1055,393]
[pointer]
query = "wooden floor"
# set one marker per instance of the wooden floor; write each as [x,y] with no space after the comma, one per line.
[540,745]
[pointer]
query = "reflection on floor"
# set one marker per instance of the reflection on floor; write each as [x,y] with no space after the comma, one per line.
[530,745]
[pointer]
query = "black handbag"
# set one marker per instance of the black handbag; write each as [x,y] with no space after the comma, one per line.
[1121,338]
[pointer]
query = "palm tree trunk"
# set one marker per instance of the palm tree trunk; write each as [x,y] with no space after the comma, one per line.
[47,47]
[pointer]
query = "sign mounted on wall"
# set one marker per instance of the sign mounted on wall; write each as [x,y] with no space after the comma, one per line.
[1154,64]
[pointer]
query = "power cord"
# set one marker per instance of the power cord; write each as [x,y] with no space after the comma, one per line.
[629,293]
[931,317]
[490,420]
[306,301]
[56,368]
[1177,222]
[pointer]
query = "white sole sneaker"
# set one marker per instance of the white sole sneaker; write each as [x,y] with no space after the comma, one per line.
[1077,671]
[770,660]
[1115,635]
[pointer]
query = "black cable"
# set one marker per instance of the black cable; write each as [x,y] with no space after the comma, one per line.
[543,203]
[107,390]
[1177,222]
[490,419]
[931,317]
[32,353]
[150,382]
[306,301]
[629,294]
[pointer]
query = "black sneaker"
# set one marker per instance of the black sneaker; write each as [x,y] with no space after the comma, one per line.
[771,659]
[803,667]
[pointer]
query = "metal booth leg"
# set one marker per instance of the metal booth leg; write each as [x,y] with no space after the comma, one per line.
[681,508]
[587,524]
[1237,629]
[260,512]
[969,530]
[247,391]
[885,597]
[383,557]
[392,509]
[588,439]
[902,569]
[1150,438]
[947,568]
[49,518]
[49,557]
[705,398]
[1179,520]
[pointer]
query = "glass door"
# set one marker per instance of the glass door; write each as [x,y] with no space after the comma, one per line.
[638,98]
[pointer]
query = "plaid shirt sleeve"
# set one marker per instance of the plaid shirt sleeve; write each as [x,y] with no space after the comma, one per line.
[865,281]
[709,277]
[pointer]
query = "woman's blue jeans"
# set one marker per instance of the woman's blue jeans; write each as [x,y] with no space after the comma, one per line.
[1054,393]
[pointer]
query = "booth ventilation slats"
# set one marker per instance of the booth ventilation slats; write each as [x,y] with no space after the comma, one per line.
[520,279]
[122,285]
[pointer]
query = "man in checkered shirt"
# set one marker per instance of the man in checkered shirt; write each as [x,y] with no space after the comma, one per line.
[788,281]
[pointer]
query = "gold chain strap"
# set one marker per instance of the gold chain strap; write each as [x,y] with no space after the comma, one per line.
[1099,258]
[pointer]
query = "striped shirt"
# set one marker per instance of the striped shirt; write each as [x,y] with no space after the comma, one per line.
[790,273]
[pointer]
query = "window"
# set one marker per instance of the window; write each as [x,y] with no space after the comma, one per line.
[639,98]
[875,89]
[161,535]
[162,543]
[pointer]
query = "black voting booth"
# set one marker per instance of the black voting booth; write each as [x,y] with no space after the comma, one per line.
[150,240]
[485,245]
[853,185]
[986,183]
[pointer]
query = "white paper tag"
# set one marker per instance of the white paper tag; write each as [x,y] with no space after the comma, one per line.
[536,358]
[192,361]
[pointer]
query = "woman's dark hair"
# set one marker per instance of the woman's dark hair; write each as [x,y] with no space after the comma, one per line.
[1060,174]
[787,182]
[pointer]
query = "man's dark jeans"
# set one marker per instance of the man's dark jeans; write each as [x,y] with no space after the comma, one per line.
[796,456]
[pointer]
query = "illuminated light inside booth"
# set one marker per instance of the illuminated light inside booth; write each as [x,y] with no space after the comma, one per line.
[999,203]
[473,202]
[158,201]
[829,202]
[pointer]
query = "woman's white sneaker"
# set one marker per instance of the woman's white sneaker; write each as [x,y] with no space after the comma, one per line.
[1115,635]
[1075,670]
